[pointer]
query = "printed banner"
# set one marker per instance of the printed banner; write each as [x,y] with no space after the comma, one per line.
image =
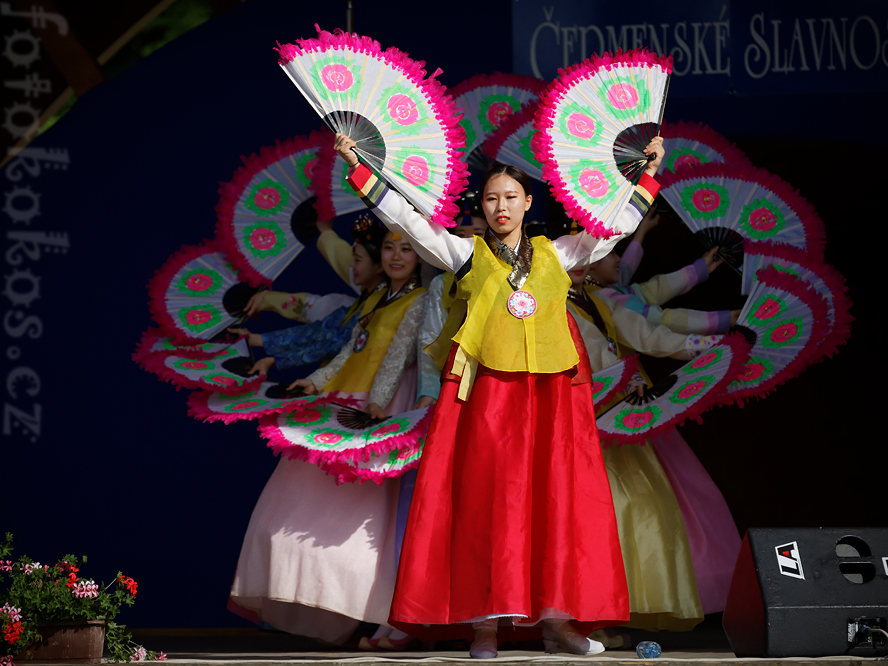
[742,48]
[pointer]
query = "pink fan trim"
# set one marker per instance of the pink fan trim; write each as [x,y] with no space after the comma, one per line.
[739,353]
[152,336]
[446,209]
[494,143]
[833,281]
[529,83]
[630,367]
[810,354]
[706,135]
[161,280]
[199,408]
[269,429]
[544,120]
[154,363]
[231,192]
[347,474]
[814,229]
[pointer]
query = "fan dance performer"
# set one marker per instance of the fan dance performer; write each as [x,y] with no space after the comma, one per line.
[332,316]
[511,517]
[706,518]
[319,558]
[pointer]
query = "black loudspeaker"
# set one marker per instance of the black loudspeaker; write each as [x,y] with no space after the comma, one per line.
[809,592]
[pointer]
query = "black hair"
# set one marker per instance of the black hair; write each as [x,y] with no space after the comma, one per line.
[368,232]
[498,168]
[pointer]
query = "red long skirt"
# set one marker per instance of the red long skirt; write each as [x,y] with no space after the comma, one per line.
[512,512]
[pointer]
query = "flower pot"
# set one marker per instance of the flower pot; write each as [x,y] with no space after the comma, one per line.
[69,642]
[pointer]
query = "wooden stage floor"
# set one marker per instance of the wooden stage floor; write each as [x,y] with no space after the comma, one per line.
[706,644]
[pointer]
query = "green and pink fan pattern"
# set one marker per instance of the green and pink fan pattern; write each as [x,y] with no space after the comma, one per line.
[610,381]
[693,388]
[378,468]
[511,143]
[405,127]
[259,207]
[690,145]
[594,121]
[789,321]
[823,278]
[153,342]
[225,372]
[719,199]
[487,101]
[197,294]
[330,434]
[268,398]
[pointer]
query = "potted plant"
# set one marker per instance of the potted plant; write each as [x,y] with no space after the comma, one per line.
[48,610]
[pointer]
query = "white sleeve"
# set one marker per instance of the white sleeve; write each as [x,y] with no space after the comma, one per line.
[584,248]
[400,354]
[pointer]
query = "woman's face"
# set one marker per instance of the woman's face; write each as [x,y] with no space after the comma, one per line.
[578,276]
[365,271]
[398,258]
[504,203]
[476,228]
[607,270]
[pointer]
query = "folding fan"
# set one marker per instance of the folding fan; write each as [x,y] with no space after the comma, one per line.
[823,278]
[377,468]
[488,100]
[405,126]
[608,382]
[594,122]
[224,373]
[269,398]
[789,321]
[694,144]
[331,433]
[510,143]
[330,176]
[197,294]
[153,342]
[727,204]
[261,209]
[684,394]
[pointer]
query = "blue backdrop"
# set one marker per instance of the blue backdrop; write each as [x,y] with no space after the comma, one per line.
[99,457]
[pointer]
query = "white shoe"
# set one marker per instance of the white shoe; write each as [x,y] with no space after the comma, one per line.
[484,644]
[564,638]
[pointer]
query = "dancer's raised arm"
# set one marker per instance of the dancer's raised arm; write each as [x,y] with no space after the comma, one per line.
[432,241]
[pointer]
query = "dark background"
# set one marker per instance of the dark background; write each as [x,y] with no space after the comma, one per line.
[120,473]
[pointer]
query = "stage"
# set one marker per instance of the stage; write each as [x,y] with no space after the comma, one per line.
[706,644]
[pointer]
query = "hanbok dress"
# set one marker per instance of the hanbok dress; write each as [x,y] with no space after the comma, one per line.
[320,558]
[713,536]
[511,515]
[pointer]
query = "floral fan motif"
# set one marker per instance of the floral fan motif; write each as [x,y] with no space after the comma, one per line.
[789,321]
[405,126]
[488,100]
[594,121]
[261,208]
[378,468]
[693,144]
[268,398]
[686,393]
[153,342]
[609,382]
[225,372]
[511,142]
[823,278]
[318,435]
[720,198]
[197,294]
